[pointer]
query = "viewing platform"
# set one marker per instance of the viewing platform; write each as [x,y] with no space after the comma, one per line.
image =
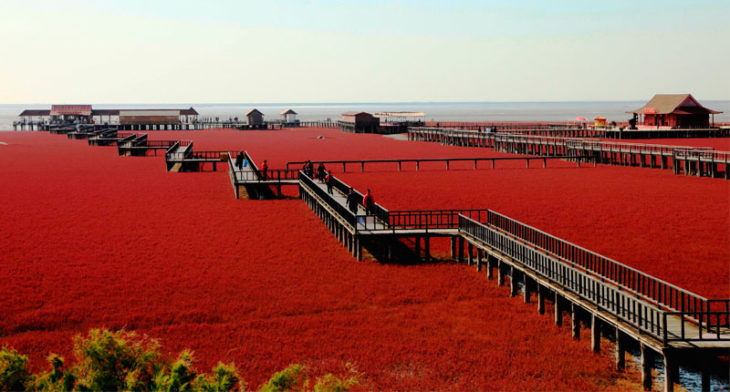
[139,145]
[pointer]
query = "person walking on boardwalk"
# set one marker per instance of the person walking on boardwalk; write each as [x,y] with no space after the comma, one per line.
[308,168]
[321,172]
[265,170]
[239,159]
[369,203]
[329,180]
[352,201]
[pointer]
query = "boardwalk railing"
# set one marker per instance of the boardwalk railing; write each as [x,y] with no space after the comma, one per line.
[378,211]
[210,156]
[318,124]
[431,219]
[179,150]
[276,175]
[623,305]
[418,161]
[341,210]
[250,172]
[663,294]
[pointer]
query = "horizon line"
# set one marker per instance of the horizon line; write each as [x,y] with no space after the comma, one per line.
[340,103]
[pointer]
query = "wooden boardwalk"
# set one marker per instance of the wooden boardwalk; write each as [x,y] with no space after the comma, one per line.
[699,161]
[606,295]
[398,164]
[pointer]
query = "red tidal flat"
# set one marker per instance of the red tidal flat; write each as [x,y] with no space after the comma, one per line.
[90,239]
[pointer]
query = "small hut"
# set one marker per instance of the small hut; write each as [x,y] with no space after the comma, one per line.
[289,116]
[359,122]
[255,118]
[674,111]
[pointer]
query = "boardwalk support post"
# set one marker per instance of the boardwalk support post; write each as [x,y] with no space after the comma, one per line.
[512,282]
[500,273]
[669,370]
[595,334]
[705,380]
[461,249]
[490,266]
[540,300]
[620,350]
[558,313]
[526,286]
[647,359]
[575,323]
[427,245]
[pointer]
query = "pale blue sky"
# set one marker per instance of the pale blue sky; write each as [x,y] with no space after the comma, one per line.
[160,51]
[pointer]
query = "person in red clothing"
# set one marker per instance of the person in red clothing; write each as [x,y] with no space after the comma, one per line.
[368,202]
[264,170]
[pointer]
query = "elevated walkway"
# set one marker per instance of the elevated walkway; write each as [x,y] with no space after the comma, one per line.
[700,161]
[249,182]
[606,295]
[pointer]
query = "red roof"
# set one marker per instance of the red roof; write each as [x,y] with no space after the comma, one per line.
[72,110]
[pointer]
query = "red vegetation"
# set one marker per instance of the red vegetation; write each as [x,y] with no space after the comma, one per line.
[91,239]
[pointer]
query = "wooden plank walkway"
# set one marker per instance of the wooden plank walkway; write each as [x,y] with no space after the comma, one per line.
[700,161]
[398,163]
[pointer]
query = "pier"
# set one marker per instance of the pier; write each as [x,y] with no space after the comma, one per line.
[699,161]
[447,162]
[612,299]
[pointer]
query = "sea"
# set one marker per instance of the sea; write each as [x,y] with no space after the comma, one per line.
[434,111]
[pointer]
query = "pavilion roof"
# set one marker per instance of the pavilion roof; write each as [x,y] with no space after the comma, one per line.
[671,103]
[73,110]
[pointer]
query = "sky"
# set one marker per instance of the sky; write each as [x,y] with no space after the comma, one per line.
[164,51]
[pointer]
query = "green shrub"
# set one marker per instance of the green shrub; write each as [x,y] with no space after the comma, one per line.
[114,361]
[14,374]
[293,378]
[124,361]
[330,383]
[55,380]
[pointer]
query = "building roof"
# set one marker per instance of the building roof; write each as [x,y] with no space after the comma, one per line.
[189,112]
[288,111]
[400,114]
[73,110]
[355,113]
[252,111]
[670,103]
[35,112]
[63,109]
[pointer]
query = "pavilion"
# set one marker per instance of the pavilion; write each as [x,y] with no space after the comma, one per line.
[674,111]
